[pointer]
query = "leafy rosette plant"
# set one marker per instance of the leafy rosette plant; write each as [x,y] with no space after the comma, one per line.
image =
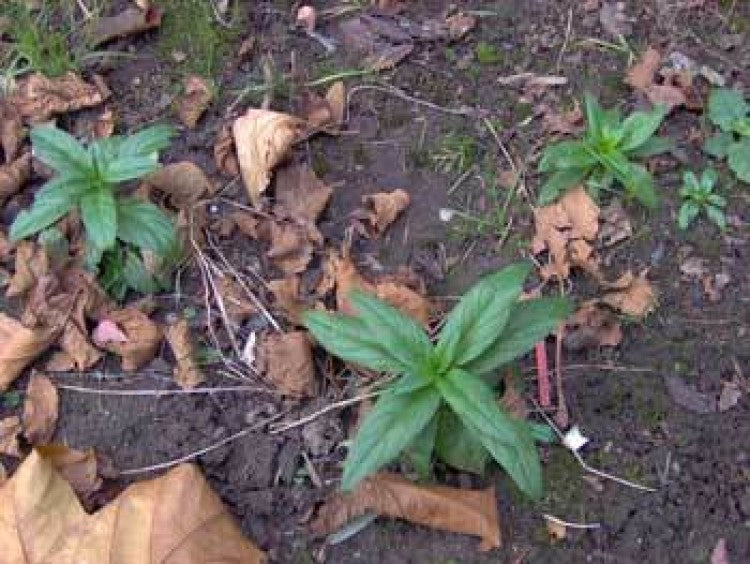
[441,403]
[729,111]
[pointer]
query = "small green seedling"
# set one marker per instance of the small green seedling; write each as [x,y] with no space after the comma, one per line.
[88,179]
[728,110]
[604,155]
[441,403]
[699,196]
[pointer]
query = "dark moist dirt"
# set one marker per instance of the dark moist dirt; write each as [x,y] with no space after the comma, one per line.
[700,464]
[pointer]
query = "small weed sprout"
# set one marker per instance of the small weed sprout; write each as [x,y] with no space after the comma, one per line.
[604,155]
[698,196]
[441,403]
[728,110]
[88,179]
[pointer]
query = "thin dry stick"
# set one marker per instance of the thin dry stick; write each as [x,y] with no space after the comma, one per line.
[159,393]
[564,47]
[194,454]
[404,96]
[582,462]
[86,12]
[570,525]
[304,420]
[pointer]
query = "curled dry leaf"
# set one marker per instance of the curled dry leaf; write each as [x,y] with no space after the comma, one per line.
[471,512]
[380,211]
[615,225]
[143,338]
[187,373]
[641,75]
[38,97]
[128,22]
[185,183]
[40,409]
[19,346]
[672,93]
[104,126]
[286,296]
[14,175]
[79,468]
[11,131]
[262,139]
[592,326]
[300,194]
[31,264]
[175,517]
[631,295]
[288,363]
[195,100]
[234,300]
[568,122]
[225,152]
[566,229]
[291,247]
[10,430]
[324,113]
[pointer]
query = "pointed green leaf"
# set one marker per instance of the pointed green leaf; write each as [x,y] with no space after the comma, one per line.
[689,210]
[639,127]
[61,151]
[560,182]
[390,427]
[738,159]
[146,226]
[595,116]
[507,439]
[136,276]
[479,318]
[99,215]
[147,141]
[530,322]
[128,168]
[652,147]
[419,452]
[565,155]
[457,446]
[716,215]
[709,178]
[726,106]
[718,146]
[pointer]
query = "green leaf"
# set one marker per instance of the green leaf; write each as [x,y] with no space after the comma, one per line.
[565,155]
[147,141]
[718,146]
[541,432]
[419,452]
[716,200]
[691,181]
[654,146]
[507,439]
[137,277]
[61,151]
[738,159]
[400,335]
[457,446]
[41,215]
[689,210]
[146,226]
[726,106]
[99,215]
[479,318]
[530,322]
[637,181]
[347,337]
[128,168]
[559,182]
[390,427]
[639,127]
[595,116]
[716,215]
[709,178]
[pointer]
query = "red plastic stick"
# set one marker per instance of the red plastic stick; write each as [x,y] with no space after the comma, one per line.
[542,375]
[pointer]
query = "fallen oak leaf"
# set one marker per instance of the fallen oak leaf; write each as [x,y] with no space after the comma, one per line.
[300,194]
[472,512]
[225,152]
[592,326]
[324,113]
[287,362]
[196,98]
[641,75]
[40,409]
[262,139]
[143,338]
[38,97]
[10,430]
[286,296]
[128,22]
[291,249]
[187,372]
[175,517]
[631,295]
[19,346]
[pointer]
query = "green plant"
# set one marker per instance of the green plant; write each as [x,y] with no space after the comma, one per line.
[487,54]
[35,46]
[440,403]
[604,155]
[697,195]
[728,110]
[456,153]
[88,179]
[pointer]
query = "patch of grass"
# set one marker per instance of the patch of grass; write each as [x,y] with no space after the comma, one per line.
[454,154]
[487,54]
[189,27]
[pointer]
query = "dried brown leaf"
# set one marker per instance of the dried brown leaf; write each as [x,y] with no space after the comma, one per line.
[288,362]
[144,337]
[11,131]
[40,410]
[19,346]
[14,175]
[128,22]
[286,296]
[173,518]
[386,57]
[300,194]
[10,430]
[38,97]
[381,210]
[633,295]
[405,299]
[234,298]
[615,225]
[185,183]
[195,100]
[592,326]
[459,25]
[262,139]
[79,468]
[225,152]
[641,75]
[291,249]
[31,264]
[187,373]
[104,126]
[471,512]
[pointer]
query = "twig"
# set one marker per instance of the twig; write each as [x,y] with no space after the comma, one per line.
[86,12]
[200,452]
[282,427]
[158,393]
[564,47]
[583,463]
[570,525]
[404,96]
[460,180]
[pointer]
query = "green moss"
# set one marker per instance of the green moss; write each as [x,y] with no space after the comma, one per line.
[189,27]
[562,476]
[487,54]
